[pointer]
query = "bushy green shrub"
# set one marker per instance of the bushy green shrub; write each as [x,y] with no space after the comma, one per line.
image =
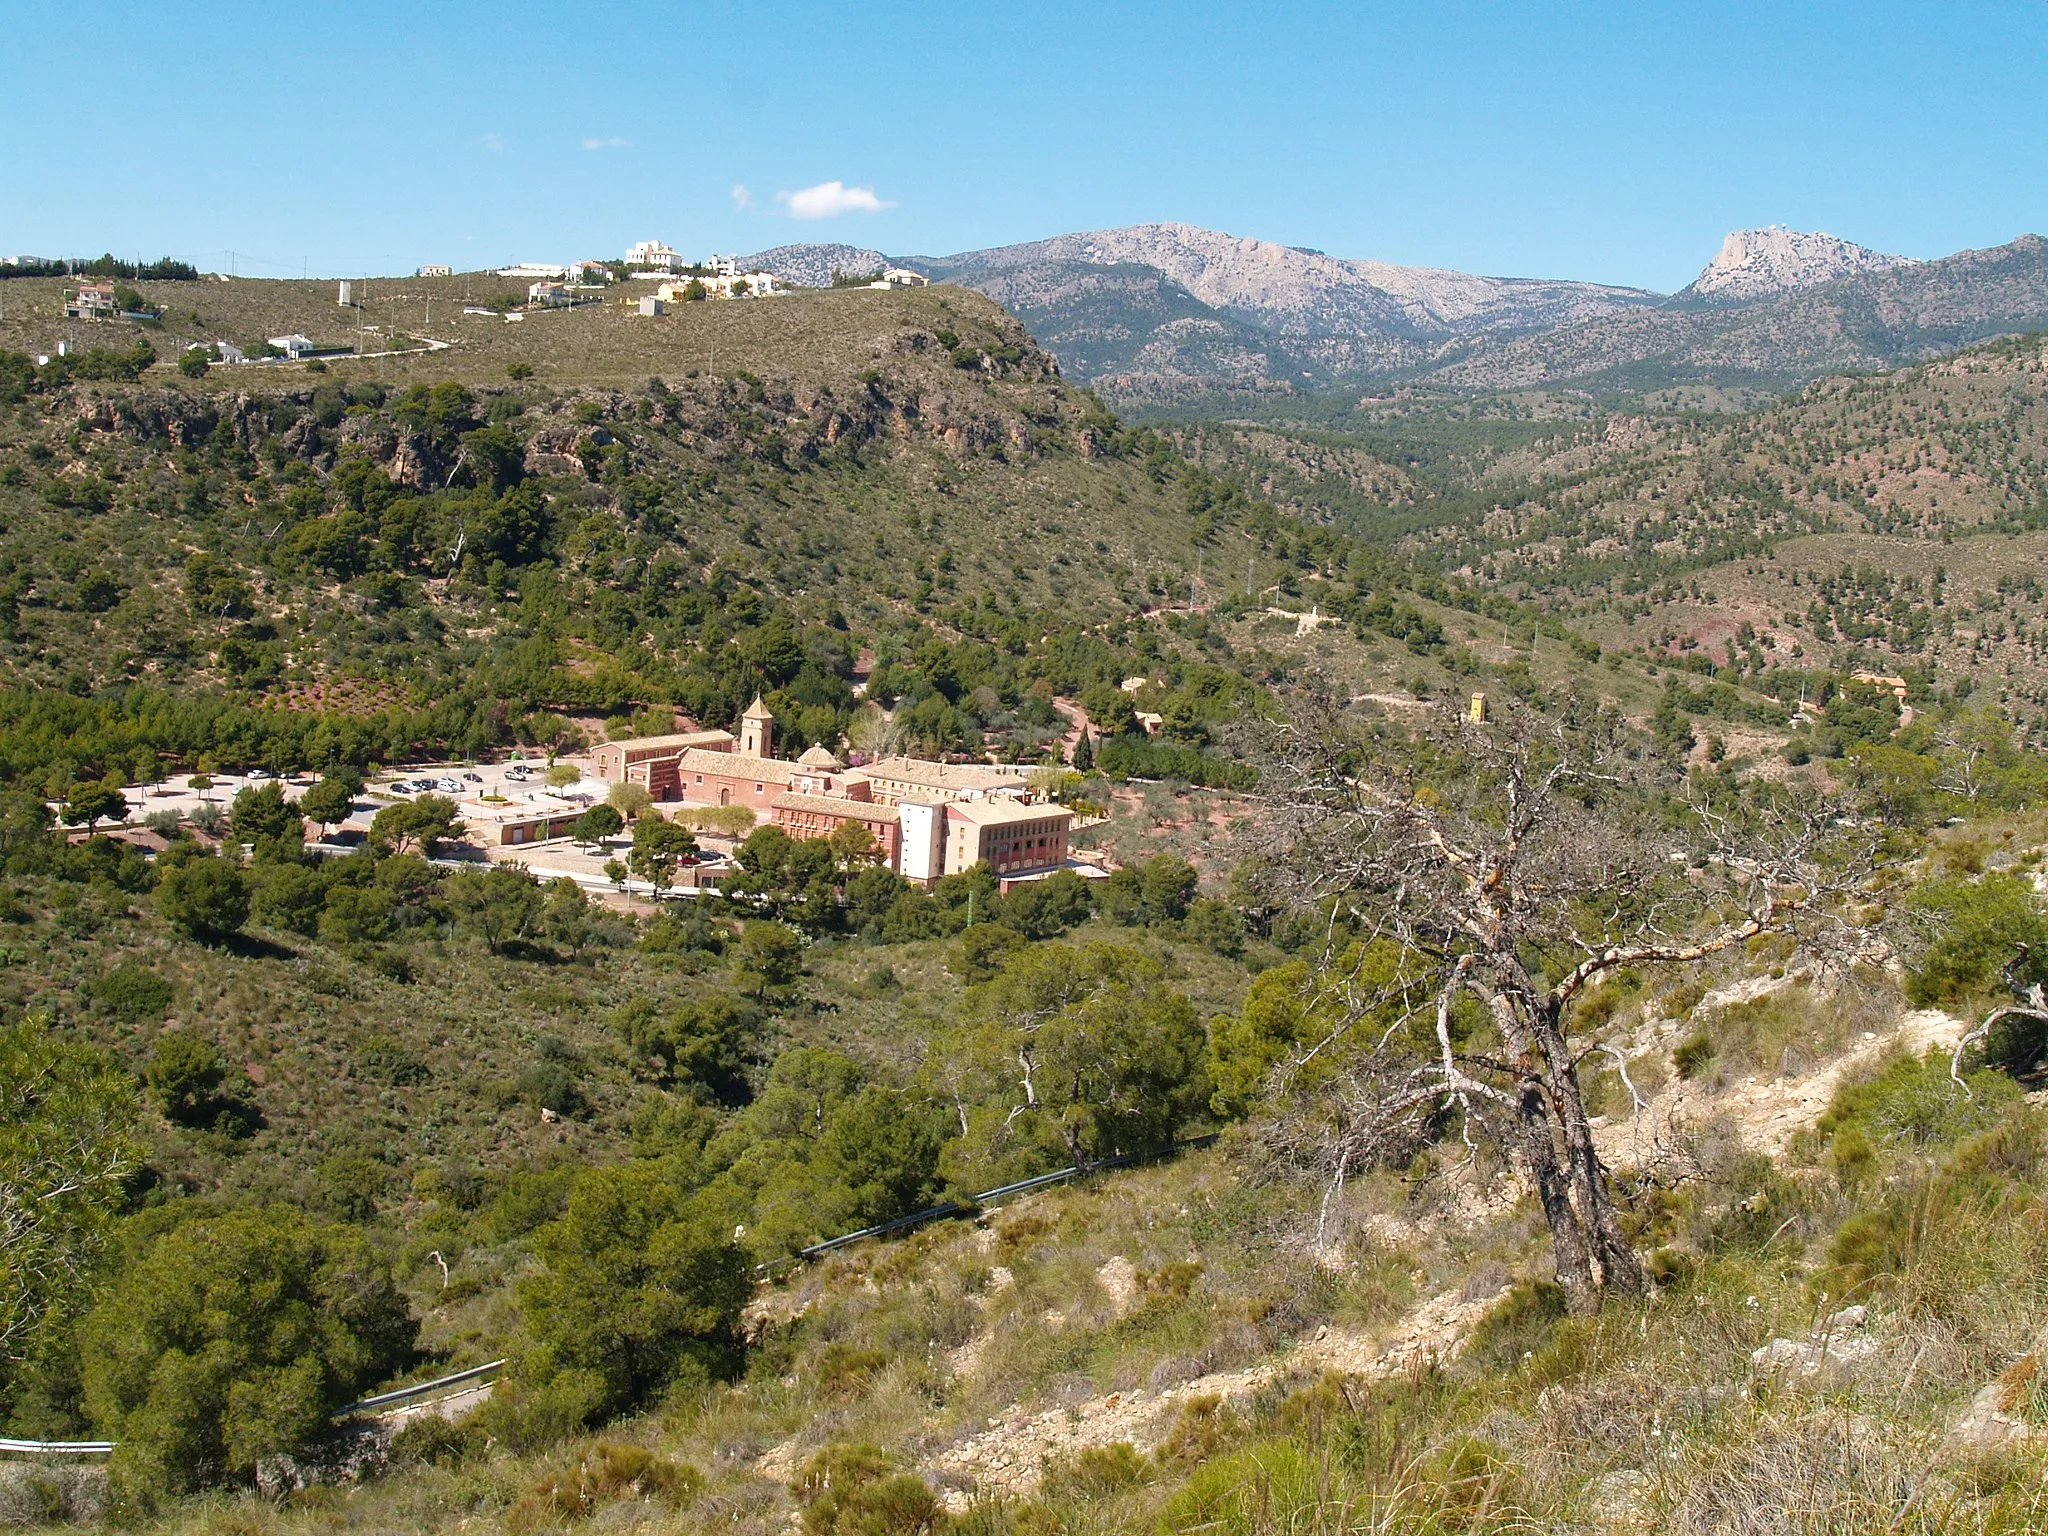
[134,991]
[637,1287]
[204,897]
[855,1490]
[707,1043]
[1693,1055]
[234,1338]
[1095,1472]
[1979,926]
[1916,1102]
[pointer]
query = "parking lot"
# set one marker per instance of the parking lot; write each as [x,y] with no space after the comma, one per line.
[482,790]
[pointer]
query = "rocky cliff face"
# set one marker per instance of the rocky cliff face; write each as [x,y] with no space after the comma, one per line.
[1756,263]
[1903,313]
[1296,292]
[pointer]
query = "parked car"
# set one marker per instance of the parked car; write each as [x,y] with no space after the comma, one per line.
[518,774]
[258,775]
[473,778]
[449,786]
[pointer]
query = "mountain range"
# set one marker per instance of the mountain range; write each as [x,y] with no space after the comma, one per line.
[1176,315]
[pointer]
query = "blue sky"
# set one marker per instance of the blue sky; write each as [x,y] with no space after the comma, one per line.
[1605,141]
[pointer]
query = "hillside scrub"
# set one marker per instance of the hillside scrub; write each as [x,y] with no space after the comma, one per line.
[401,1119]
[1473,901]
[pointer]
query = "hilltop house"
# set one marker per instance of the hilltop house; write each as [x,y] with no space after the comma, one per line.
[900,277]
[93,301]
[293,346]
[435,269]
[550,295]
[927,819]
[530,270]
[652,256]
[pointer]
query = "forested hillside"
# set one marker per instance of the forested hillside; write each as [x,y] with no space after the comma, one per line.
[1567,1053]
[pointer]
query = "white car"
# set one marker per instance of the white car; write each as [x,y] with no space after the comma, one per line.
[449,786]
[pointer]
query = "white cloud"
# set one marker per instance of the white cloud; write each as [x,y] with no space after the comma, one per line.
[829,199]
[742,199]
[607,143]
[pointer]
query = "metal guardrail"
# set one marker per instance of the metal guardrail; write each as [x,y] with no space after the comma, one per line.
[973,1203]
[381,1400]
[929,1214]
[55,1447]
[405,1394]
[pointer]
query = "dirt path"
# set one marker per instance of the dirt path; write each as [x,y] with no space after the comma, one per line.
[1767,1110]
[1006,1456]
[1007,1453]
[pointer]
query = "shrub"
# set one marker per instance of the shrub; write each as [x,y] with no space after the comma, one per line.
[844,1370]
[604,1475]
[204,897]
[1201,1429]
[134,991]
[432,1441]
[1915,1101]
[637,1287]
[1979,927]
[234,1339]
[1519,1323]
[183,1075]
[854,1490]
[382,1059]
[1694,1055]
[1097,1471]
[707,1043]
[552,1086]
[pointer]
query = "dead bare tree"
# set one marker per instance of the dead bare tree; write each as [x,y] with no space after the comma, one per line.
[1477,878]
[2030,1009]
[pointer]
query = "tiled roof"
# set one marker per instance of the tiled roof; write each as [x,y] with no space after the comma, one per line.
[835,805]
[987,813]
[680,739]
[954,776]
[731,765]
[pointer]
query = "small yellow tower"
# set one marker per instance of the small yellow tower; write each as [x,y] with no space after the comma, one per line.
[757,730]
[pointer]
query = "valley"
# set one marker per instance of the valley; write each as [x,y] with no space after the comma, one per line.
[1389,1202]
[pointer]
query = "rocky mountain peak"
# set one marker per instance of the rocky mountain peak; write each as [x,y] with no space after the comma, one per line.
[1753,263]
[813,265]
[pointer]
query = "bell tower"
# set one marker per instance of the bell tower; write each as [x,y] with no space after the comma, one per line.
[757,730]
